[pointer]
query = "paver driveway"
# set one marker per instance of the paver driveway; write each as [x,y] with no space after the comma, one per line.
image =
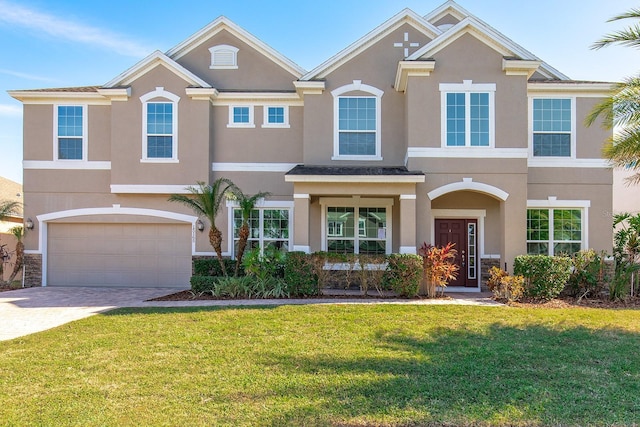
[25,311]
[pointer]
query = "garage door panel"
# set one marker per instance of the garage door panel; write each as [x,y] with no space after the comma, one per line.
[119,255]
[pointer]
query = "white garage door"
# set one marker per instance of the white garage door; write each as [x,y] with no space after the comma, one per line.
[119,255]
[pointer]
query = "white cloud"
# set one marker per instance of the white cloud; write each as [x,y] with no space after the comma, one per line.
[26,76]
[15,14]
[10,110]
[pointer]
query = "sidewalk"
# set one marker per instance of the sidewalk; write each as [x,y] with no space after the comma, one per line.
[30,310]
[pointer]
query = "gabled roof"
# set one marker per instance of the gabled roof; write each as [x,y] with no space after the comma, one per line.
[470,23]
[223,23]
[150,62]
[404,16]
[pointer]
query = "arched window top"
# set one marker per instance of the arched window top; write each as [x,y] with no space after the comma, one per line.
[159,93]
[224,56]
[357,85]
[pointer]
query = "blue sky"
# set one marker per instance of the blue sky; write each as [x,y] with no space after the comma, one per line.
[78,42]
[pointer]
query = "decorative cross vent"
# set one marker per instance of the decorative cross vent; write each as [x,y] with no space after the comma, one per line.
[406,44]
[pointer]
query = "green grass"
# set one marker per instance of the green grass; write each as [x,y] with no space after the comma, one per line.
[351,365]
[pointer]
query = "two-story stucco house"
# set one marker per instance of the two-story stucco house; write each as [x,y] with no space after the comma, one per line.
[431,128]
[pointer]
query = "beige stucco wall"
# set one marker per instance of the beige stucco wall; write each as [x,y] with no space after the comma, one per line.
[626,196]
[255,71]
[258,144]
[127,137]
[589,140]
[452,66]
[376,66]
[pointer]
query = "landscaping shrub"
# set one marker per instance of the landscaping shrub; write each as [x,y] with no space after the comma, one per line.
[439,266]
[545,276]
[211,267]
[240,287]
[587,277]
[200,284]
[503,286]
[370,269]
[300,274]
[403,274]
[263,266]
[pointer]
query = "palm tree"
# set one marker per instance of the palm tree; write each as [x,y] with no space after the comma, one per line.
[18,233]
[622,108]
[246,204]
[205,200]
[8,208]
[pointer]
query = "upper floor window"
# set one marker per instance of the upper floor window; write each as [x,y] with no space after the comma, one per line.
[357,123]
[71,130]
[224,57]
[553,127]
[275,116]
[160,123]
[467,114]
[241,116]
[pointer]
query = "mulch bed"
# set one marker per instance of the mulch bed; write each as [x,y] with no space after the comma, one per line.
[629,303]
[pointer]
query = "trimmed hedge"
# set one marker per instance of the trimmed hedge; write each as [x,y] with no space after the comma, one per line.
[300,274]
[211,267]
[544,276]
[403,274]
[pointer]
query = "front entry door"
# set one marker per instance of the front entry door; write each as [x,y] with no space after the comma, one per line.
[463,233]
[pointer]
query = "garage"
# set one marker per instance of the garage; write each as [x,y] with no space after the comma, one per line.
[119,254]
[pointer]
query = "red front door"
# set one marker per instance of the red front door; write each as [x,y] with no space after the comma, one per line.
[464,234]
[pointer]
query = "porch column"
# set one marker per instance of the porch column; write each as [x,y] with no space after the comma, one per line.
[301,222]
[407,223]
[513,214]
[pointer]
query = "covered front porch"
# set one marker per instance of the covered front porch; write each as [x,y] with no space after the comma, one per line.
[354,210]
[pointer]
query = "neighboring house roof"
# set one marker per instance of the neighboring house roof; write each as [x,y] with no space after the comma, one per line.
[223,23]
[11,191]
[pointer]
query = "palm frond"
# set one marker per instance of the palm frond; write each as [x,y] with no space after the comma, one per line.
[628,37]
[632,13]
[205,200]
[9,208]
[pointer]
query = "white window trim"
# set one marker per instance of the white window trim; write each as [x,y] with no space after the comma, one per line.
[223,47]
[551,161]
[357,85]
[467,87]
[553,203]
[264,204]
[233,124]
[357,202]
[85,129]
[265,117]
[172,98]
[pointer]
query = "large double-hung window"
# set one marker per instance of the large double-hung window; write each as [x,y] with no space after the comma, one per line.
[357,120]
[159,126]
[552,127]
[555,231]
[467,114]
[269,228]
[70,132]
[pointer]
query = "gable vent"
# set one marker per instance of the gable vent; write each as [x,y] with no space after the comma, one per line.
[224,57]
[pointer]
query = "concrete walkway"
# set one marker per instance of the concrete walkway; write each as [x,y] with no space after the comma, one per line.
[30,310]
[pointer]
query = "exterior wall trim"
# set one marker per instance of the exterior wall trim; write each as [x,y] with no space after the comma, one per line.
[149,189]
[115,210]
[467,152]
[467,184]
[251,167]
[78,165]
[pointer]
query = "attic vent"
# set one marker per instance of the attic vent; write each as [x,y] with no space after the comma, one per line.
[224,57]
[444,27]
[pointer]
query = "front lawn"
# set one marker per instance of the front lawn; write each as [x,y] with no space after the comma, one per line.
[353,365]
